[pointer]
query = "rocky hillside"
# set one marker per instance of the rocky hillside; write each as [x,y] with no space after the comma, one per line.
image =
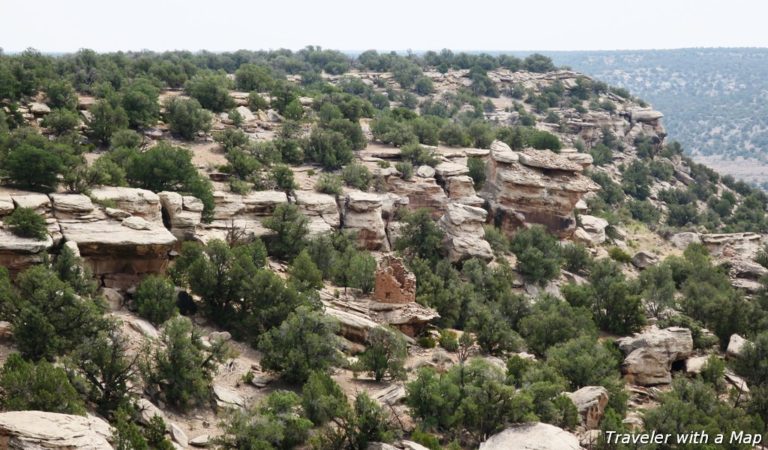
[713,98]
[278,250]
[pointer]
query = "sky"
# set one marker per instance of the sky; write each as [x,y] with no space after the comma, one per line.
[226,25]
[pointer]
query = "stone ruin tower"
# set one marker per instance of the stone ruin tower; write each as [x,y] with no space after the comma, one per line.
[394,283]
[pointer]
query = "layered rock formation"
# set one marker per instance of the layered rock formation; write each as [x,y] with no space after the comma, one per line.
[532,436]
[119,248]
[650,354]
[363,215]
[181,214]
[37,430]
[240,214]
[321,210]
[464,234]
[591,402]
[533,187]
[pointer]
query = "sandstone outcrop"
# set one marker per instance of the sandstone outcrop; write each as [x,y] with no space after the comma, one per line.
[33,430]
[181,213]
[464,233]
[18,253]
[533,187]
[120,255]
[420,192]
[592,230]
[735,346]
[137,202]
[532,436]
[363,215]
[729,245]
[321,210]
[591,402]
[241,214]
[650,354]
[461,189]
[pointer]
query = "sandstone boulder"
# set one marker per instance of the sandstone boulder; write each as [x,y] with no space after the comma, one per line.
[548,160]
[464,233]
[18,253]
[72,206]
[591,402]
[682,240]
[736,346]
[646,115]
[650,354]
[420,192]
[644,259]
[673,343]
[594,229]
[44,430]
[137,202]
[450,169]
[182,213]
[647,368]
[363,214]
[730,245]
[6,204]
[321,210]
[148,410]
[696,364]
[121,255]
[425,172]
[532,436]
[227,398]
[39,202]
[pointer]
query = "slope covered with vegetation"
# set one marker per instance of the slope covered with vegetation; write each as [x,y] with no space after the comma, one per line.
[518,331]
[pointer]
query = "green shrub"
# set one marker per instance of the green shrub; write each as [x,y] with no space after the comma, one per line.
[601,154]
[329,148]
[455,135]
[156,299]
[576,258]
[27,223]
[290,227]
[126,139]
[139,99]
[273,423]
[32,167]
[406,169]
[538,254]
[256,102]
[384,355]
[241,187]
[418,155]
[182,369]
[477,171]
[449,340]
[619,255]
[304,343]
[211,90]
[186,117]
[357,176]
[322,398]
[61,121]
[37,386]
[329,183]
[105,120]
[644,211]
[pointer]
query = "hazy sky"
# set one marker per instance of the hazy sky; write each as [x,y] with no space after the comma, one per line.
[107,25]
